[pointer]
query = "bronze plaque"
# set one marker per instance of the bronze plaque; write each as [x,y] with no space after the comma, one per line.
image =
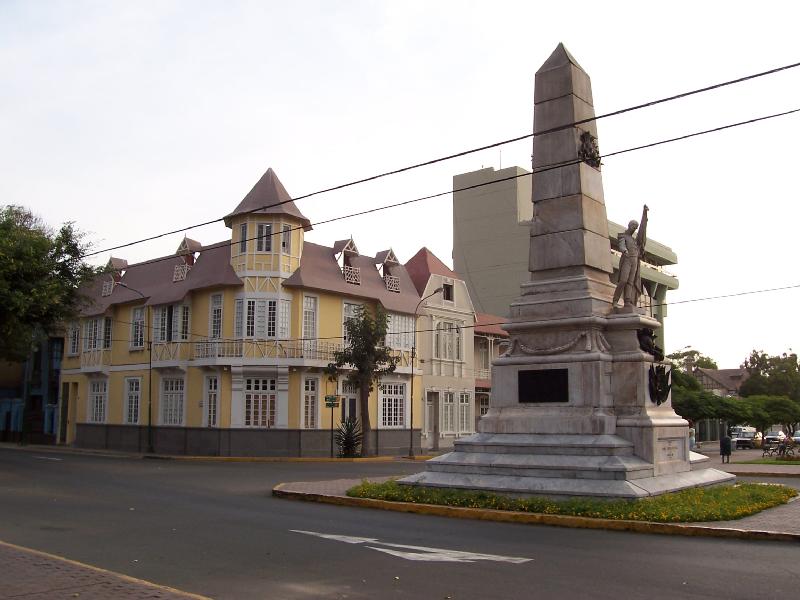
[544,385]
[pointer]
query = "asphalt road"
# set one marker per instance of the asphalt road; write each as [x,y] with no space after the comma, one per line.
[214,529]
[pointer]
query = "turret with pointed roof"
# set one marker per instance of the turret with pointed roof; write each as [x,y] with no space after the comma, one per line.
[269,197]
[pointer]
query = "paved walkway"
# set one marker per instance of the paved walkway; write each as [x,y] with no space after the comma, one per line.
[41,576]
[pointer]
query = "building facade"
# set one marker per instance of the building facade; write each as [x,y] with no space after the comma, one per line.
[220,349]
[491,340]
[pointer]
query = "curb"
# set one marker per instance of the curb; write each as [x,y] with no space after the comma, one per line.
[761,474]
[126,578]
[482,514]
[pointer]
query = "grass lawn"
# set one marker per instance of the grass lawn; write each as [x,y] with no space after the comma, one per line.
[722,503]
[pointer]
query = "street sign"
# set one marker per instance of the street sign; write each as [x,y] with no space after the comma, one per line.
[331,402]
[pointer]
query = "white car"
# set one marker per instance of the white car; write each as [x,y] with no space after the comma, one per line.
[796,436]
[774,437]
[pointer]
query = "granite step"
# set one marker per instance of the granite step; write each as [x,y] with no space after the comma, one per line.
[526,443]
[567,466]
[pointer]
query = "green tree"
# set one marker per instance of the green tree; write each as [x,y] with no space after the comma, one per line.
[40,273]
[368,360]
[772,375]
[683,357]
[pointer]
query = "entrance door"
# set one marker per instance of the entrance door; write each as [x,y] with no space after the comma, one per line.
[431,401]
[349,401]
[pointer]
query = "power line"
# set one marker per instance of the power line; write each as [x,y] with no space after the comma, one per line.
[429,330]
[463,153]
[535,171]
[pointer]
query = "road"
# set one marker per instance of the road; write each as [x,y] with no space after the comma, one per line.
[214,529]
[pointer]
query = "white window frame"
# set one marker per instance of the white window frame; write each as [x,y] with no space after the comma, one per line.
[264,237]
[286,238]
[137,327]
[284,319]
[310,307]
[74,341]
[215,316]
[98,401]
[310,403]
[448,341]
[211,401]
[172,401]
[260,402]
[243,238]
[400,331]
[349,311]
[91,334]
[464,412]
[392,402]
[448,415]
[133,400]
[108,332]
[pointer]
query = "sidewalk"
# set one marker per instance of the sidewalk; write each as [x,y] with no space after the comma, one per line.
[40,576]
[781,523]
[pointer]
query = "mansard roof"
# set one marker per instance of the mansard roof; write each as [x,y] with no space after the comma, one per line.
[320,271]
[269,197]
[424,264]
[154,279]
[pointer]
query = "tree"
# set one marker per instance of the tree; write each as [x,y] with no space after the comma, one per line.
[369,360]
[683,358]
[40,273]
[772,375]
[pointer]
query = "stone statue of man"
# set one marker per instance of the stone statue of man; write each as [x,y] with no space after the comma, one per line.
[629,285]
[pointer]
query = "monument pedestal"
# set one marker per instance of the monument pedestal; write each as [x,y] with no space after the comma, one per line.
[578,408]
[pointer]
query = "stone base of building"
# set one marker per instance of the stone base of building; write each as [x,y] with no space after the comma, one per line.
[559,467]
[200,441]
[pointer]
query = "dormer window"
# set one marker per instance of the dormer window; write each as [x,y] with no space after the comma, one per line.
[392,283]
[179,274]
[108,287]
[344,251]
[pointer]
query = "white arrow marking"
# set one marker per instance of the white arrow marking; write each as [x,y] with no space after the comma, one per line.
[47,458]
[425,553]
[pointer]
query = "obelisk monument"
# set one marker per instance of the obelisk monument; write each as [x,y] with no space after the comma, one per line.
[578,408]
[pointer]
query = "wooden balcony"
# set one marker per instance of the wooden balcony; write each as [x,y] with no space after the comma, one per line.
[95,361]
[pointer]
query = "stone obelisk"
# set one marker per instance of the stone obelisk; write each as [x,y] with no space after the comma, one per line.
[577,407]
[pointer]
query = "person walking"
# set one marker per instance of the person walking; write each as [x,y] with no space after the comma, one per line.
[725,448]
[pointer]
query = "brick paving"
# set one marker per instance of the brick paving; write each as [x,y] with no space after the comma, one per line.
[40,576]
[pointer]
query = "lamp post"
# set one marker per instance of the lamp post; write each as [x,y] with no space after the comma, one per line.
[150,449]
[413,355]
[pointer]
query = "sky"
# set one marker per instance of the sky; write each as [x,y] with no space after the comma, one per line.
[135,118]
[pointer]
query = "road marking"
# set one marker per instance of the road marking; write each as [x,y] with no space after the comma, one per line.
[423,553]
[47,458]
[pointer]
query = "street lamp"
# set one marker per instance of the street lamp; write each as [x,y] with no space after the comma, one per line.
[149,370]
[413,354]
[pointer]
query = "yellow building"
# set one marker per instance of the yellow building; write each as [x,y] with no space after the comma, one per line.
[220,349]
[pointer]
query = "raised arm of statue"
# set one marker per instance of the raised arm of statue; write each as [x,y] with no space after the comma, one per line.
[641,235]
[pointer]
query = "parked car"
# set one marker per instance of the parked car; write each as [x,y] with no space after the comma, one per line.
[796,437]
[774,437]
[743,436]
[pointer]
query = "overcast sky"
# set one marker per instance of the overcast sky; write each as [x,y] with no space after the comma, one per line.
[132,118]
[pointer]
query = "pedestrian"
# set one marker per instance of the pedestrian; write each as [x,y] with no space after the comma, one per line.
[725,448]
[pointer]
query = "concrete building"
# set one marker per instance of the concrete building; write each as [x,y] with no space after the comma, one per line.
[491,239]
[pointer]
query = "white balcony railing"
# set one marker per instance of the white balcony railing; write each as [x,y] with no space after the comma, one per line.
[95,359]
[483,373]
[392,283]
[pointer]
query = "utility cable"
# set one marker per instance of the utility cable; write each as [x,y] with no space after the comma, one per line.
[462,153]
[535,171]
